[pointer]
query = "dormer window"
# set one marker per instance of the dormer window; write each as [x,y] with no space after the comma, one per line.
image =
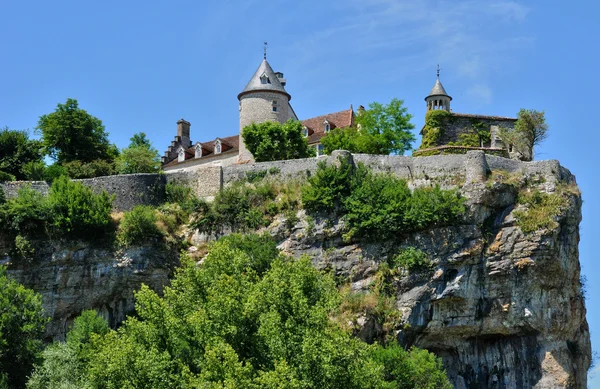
[274,105]
[181,155]
[304,131]
[264,79]
[198,151]
[218,147]
[326,126]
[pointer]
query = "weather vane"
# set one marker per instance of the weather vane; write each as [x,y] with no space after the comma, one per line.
[438,71]
[265,50]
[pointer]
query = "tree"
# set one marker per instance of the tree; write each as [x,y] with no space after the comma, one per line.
[139,157]
[529,131]
[247,317]
[271,141]
[381,129]
[71,134]
[21,329]
[16,151]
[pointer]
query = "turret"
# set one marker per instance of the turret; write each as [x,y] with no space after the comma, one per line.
[438,98]
[263,99]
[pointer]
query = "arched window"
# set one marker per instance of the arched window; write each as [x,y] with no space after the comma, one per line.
[198,151]
[218,147]
[326,126]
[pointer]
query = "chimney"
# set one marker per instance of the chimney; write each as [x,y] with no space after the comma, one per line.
[280,78]
[361,109]
[183,132]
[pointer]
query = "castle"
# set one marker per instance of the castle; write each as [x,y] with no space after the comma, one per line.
[265,99]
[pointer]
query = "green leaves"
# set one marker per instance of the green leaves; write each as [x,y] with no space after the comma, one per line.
[139,157]
[271,141]
[16,151]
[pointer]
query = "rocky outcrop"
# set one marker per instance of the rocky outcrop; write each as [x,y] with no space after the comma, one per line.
[75,276]
[504,309]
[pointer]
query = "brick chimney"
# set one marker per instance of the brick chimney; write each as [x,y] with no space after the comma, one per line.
[183,132]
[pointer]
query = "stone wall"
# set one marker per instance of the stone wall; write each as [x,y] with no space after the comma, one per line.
[459,125]
[206,181]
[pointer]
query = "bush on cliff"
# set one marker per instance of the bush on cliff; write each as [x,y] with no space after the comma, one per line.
[378,206]
[22,325]
[247,317]
[138,226]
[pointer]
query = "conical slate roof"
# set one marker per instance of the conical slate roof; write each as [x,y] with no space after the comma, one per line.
[255,83]
[438,90]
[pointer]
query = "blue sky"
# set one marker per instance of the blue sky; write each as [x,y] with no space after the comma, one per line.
[140,66]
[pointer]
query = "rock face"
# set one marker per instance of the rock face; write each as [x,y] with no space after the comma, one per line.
[503,309]
[75,277]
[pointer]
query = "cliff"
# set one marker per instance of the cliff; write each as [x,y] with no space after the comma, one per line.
[501,302]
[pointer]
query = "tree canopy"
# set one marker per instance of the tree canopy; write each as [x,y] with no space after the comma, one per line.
[247,317]
[272,141]
[381,129]
[529,131]
[16,151]
[21,329]
[139,157]
[72,134]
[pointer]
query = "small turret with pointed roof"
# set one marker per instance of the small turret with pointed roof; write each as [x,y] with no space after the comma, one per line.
[263,99]
[438,97]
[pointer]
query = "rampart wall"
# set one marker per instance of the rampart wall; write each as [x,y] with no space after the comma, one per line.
[148,189]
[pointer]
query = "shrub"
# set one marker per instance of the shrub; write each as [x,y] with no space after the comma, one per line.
[34,170]
[23,248]
[28,213]
[542,209]
[138,226]
[96,168]
[6,177]
[411,259]
[54,171]
[77,210]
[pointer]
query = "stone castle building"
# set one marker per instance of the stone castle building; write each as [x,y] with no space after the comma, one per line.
[265,99]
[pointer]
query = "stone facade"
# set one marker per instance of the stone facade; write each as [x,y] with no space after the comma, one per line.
[257,107]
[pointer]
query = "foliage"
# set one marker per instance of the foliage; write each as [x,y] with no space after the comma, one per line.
[34,171]
[91,169]
[271,141]
[139,157]
[17,150]
[411,259]
[331,185]
[71,134]
[138,226]
[27,214]
[478,135]
[529,131]
[21,329]
[390,127]
[246,318]
[77,210]
[435,124]
[63,363]
[53,172]
[378,206]
[182,195]
[542,209]
[6,177]
[246,207]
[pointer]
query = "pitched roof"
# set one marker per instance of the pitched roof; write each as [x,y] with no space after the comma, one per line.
[229,145]
[339,119]
[255,83]
[438,90]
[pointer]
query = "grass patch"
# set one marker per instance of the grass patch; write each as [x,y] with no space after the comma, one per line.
[543,209]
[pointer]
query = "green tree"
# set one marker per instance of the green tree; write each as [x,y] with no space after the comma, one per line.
[16,151]
[271,141]
[529,131]
[71,134]
[381,129]
[21,329]
[139,157]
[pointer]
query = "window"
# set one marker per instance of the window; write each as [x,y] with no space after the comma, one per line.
[304,131]
[218,147]
[198,151]
[320,150]
[274,105]
[181,155]
[326,126]
[264,79]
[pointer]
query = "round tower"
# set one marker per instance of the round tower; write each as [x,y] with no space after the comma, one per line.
[438,98]
[263,99]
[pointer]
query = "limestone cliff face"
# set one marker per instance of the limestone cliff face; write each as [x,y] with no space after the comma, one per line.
[74,277]
[504,309]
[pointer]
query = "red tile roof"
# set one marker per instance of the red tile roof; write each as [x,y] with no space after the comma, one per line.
[316,129]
